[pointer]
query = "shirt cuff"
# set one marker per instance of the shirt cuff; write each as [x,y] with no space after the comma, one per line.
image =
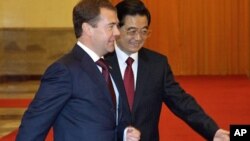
[125,134]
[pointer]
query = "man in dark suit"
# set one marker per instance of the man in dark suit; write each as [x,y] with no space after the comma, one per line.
[74,97]
[152,80]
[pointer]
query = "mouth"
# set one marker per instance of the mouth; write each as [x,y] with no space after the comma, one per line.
[112,42]
[135,44]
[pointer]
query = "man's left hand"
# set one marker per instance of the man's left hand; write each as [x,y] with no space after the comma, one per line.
[221,135]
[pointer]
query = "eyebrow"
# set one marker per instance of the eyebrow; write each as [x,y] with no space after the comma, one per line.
[129,28]
[113,23]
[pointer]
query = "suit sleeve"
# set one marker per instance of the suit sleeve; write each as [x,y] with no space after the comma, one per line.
[54,91]
[185,106]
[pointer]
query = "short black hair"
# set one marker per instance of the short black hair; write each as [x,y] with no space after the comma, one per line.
[132,8]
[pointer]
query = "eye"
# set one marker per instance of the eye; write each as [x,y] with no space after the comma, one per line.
[110,27]
[144,32]
[132,31]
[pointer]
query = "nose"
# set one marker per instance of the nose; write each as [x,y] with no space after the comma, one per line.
[138,36]
[116,31]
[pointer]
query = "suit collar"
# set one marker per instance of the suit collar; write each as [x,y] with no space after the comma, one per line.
[89,66]
[142,73]
[111,58]
[91,53]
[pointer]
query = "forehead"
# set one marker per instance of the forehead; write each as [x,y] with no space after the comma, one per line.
[108,16]
[137,21]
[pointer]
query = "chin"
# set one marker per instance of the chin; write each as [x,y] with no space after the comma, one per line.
[134,50]
[111,49]
[137,46]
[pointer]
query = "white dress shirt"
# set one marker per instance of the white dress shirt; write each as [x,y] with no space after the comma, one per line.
[122,57]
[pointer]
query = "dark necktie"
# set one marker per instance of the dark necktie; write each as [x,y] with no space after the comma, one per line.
[105,73]
[129,82]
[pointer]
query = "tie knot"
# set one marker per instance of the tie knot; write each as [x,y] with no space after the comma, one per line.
[102,63]
[129,61]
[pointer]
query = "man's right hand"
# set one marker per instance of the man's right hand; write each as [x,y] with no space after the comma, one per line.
[133,134]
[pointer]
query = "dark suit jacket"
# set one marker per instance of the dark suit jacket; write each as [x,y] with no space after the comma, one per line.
[155,85]
[74,99]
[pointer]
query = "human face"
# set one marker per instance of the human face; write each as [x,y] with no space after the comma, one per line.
[133,34]
[105,33]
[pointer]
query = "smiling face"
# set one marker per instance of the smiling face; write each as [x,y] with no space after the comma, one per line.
[133,33]
[104,34]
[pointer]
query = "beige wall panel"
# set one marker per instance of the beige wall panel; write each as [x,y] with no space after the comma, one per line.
[36,13]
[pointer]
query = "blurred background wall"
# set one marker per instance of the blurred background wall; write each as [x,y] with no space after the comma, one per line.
[200,37]
[33,34]
[36,13]
[210,37]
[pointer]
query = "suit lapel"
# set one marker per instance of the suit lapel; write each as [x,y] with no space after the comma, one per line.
[89,66]
[142,73]
[116,74]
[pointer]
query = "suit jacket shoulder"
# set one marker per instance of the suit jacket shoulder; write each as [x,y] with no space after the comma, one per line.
[150,54]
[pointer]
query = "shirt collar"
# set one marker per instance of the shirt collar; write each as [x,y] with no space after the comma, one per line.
[91,53]
[122,56]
